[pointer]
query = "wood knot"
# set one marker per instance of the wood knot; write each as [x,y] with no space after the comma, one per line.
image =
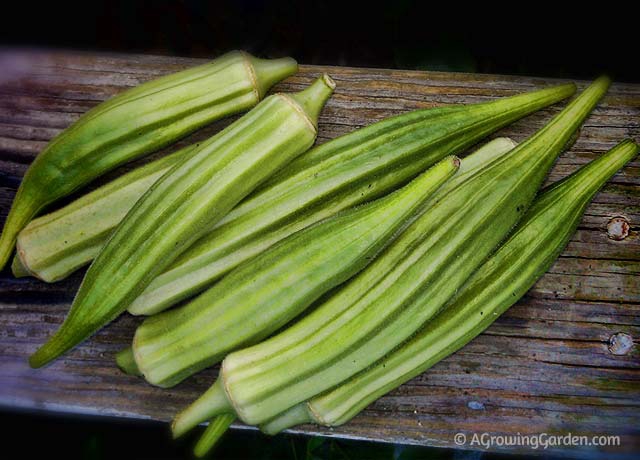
[620,343]
[618,228]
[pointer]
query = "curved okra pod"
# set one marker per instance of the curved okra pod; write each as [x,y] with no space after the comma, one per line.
[53,246]
[135,123]
[244,308]
[501,281]
[343,172]
[406,286]
[184,203]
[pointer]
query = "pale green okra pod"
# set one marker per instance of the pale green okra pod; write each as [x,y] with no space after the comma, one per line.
[184,203]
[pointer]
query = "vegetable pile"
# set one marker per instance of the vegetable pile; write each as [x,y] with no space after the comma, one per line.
[322,277]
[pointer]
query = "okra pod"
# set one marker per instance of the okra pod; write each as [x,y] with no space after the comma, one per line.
[53,246]
[184,203]
[389,301]
[341,173]
[244,308]
[135,123]
[501,281]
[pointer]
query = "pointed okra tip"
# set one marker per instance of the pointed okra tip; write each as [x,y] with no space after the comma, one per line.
[47,352]
[268,72]
[597,88]
[603,81]
[313,98]
[35,362]
[41,357]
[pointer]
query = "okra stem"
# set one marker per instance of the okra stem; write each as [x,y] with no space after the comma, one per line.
[18,269]
[216,404]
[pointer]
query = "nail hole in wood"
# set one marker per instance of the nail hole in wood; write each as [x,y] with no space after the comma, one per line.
[618,228]
[620,343]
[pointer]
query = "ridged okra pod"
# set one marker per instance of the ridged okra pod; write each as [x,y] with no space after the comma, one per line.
[501,281]
[406,286]
[53,246]
[348,170]
[244,307]
[184,203]
[135,123]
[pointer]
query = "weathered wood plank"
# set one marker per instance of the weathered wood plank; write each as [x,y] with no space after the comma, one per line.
[548,365]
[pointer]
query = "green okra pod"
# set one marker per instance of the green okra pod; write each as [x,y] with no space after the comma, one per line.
[343,172]
[135,123]
[501,281]
[246,306]
[406,286]
[184,203]
[53,246]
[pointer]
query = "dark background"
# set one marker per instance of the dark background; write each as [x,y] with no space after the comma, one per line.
[519,38]
[532,39]
[29,436]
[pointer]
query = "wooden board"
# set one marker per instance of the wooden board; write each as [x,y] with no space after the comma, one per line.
[546,366]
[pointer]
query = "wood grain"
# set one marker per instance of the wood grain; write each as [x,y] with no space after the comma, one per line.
[546,366]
